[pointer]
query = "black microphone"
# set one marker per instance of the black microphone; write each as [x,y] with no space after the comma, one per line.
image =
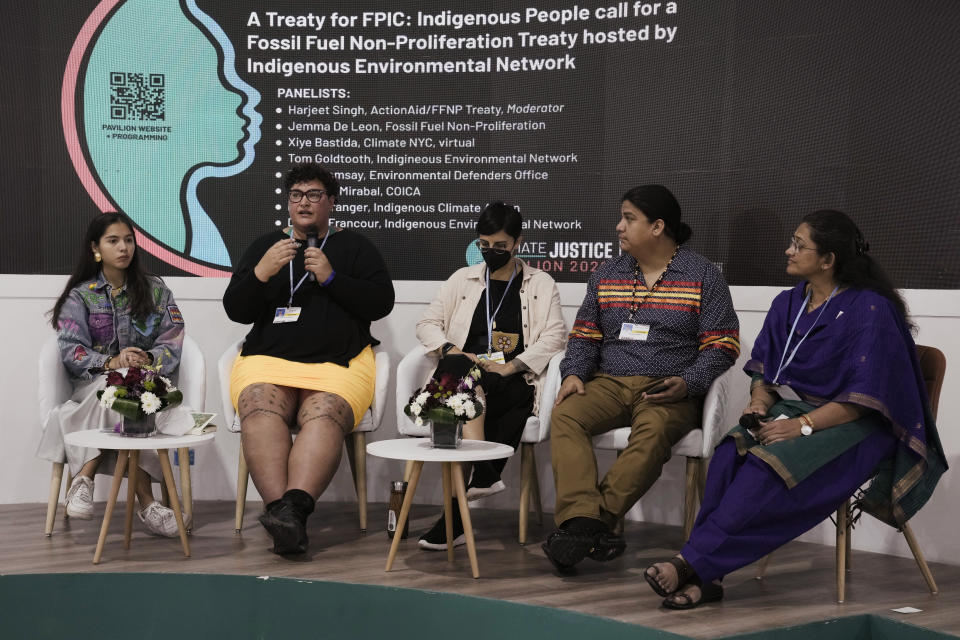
[312,236]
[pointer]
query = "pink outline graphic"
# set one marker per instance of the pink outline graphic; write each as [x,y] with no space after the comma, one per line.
[74,148]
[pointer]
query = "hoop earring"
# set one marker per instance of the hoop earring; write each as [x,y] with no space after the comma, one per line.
[97,257]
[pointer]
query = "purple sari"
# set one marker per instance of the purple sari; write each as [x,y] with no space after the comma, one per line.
[860,351]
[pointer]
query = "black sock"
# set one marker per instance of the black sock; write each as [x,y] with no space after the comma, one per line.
[273,505]
[301,501]
[581,524]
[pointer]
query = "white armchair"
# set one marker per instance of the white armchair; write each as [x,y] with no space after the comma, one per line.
[725,400]
[55,389]
[416,367]
[356,445]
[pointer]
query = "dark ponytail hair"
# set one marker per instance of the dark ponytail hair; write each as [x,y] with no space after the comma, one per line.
[834,232]
[657,203]
[137,280]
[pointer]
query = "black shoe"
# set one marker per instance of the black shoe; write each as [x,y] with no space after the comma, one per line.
[607,546]
[288,530]
[580,538]
[436,538]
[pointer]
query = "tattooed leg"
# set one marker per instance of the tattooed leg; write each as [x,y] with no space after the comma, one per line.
[325,418]
[267,412]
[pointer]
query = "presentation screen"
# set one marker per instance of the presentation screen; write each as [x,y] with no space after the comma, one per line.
[186,115]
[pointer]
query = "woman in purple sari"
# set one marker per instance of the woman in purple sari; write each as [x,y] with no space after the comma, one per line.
[837,399]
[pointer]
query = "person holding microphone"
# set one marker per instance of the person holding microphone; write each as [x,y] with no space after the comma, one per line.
[310,293]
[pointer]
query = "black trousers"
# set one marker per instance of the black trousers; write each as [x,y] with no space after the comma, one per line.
[509,404]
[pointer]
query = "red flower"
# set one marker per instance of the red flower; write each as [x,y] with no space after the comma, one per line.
[114,378]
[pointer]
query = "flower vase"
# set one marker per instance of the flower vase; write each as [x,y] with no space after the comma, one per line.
[141,428]
[446,435]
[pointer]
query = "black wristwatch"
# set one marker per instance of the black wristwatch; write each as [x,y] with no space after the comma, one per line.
[445,349]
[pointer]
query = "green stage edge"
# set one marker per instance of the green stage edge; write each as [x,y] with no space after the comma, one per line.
[143,605]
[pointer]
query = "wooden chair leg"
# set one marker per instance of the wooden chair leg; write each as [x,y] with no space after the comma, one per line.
[359,468]
[537,500]
[56,477]
[690,502]
[918,556]
[842,535]
[527,469]
[185,487]
[243,476]
[762,566]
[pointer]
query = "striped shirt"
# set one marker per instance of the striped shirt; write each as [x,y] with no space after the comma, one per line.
[694,332]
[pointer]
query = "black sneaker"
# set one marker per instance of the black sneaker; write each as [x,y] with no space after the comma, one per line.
[436,538]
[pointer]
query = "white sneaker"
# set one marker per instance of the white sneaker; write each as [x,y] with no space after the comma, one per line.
[79,500]
[475,493]
[161,521]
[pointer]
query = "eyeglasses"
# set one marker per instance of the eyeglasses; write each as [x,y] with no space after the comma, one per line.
[498,248]
[796,246]
[314,195]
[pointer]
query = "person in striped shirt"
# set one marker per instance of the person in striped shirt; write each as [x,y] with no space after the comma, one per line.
[656,327]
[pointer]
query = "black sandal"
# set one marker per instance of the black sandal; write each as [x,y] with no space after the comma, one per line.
[709,592]
[684,574]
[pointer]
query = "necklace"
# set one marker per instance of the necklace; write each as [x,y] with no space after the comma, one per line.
[634,304]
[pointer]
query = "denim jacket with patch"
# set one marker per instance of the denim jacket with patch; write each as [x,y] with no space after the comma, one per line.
[95,324]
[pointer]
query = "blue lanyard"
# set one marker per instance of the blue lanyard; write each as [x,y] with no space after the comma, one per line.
[491,318]
[293,289]
[784,365]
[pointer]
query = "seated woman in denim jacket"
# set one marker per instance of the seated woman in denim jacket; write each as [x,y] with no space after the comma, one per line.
[111,315]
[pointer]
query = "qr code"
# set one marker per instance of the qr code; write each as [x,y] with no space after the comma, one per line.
[137,96]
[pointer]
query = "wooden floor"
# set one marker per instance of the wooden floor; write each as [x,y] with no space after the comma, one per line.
[799,587]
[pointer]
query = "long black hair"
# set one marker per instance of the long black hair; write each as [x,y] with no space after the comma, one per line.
[834,232]
[658,203]
[137,280]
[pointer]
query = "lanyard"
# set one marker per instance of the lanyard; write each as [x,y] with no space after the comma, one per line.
[784,365]
[491,318]
[293,289]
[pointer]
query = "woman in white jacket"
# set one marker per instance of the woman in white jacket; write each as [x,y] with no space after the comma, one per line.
[504,315]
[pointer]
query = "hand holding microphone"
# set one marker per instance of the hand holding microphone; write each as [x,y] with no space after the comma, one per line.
[315,261]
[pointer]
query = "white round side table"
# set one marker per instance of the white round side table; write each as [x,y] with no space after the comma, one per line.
[419,450]
[128,449]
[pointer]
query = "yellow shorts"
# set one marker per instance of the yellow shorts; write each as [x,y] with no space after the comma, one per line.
[354,383]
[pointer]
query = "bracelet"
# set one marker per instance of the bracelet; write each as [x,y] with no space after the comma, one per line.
[106,364]
[328,280]
[446,348]
[806,421]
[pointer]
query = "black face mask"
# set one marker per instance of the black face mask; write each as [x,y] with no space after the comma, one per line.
[495,260]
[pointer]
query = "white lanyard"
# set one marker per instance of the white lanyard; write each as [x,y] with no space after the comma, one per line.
[784,365]
[491,318]
[293,289]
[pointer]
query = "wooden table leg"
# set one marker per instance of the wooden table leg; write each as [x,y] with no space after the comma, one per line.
[174,500]
[404,511]
[111,503]
[457,474]
[185,487]
[448,508]
[134,461]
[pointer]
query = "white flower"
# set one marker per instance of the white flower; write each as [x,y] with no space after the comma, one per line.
[415,409]
[108,396]
[169,383]
[418,422]
[422,398]
[149,402]
[470,410]
[468,382]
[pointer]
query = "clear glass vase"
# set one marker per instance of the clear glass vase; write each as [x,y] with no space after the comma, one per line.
[446,435]
[140,428]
